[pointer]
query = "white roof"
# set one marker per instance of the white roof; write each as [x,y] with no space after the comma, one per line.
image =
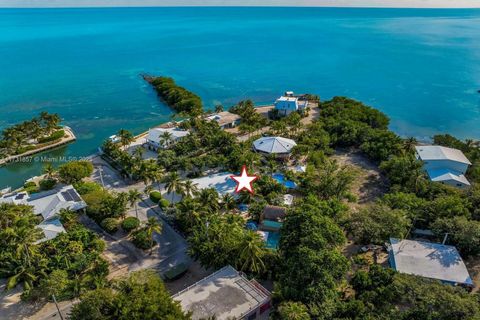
[287,199]
[222,182]
[274,145]
[301,168]
[427,153]
[442,175]
[429,260]
[285,98]
[156,133]
[225,294]
[51,229]
[49,203]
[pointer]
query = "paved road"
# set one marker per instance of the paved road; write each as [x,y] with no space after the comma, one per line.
[123,255]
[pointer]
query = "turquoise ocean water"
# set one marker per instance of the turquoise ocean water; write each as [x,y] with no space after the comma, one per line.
[421,67]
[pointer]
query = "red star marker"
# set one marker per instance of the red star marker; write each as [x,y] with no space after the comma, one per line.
[244,181]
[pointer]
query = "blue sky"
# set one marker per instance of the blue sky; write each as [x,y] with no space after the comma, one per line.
[340,3]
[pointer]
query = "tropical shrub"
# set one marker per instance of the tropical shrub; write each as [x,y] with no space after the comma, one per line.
[75,171]
[30,187]
[84,187]
[141,239]
[110,225]
[130,223]
[377,223]
[155,196]
[140,296]
[47,184]
[54,136]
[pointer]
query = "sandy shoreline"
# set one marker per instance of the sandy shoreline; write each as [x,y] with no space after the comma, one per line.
[284,3]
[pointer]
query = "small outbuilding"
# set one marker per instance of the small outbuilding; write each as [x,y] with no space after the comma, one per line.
[272,218]
[279,146]
[429,260]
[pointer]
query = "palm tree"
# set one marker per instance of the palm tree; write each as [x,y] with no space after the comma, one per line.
[156,174]
[126,137]
[409,144]
[133,197]
[173,184]
[190,189]
[245,197]
[190,212]
[148,189]
[50,121]
[165,139]
[152,226]
[209,199]
[228,202]
[252,253]
[48,170]
[272,163]
[138,153]
[279,127]
[218,108]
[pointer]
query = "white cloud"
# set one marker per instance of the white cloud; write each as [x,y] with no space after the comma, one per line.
[319,3]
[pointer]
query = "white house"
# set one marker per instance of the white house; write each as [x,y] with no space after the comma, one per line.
[429,260]
[221,182]
[156,137]
[288,103]
[48,204]
[444,165]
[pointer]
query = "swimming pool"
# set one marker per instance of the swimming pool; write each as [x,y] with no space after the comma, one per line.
[281,179]
[272,240]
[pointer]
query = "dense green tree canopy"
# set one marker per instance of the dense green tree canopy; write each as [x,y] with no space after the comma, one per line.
[140,296]
[75,171]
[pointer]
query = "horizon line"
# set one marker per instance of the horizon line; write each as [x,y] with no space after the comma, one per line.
[393,4]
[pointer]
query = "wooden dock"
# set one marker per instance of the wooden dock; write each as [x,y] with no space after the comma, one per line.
[69,137]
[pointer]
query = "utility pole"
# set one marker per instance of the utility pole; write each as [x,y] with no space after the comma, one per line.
[56,305]
[445,238]
[101,175]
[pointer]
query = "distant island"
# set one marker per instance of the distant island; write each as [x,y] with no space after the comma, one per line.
[176,97]
[29,137]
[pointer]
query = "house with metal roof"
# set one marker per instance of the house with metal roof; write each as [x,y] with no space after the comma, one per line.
[48,205]
[225,294]
[429,260]
[156,137]
[51,229]
[278,146]
[444,165]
